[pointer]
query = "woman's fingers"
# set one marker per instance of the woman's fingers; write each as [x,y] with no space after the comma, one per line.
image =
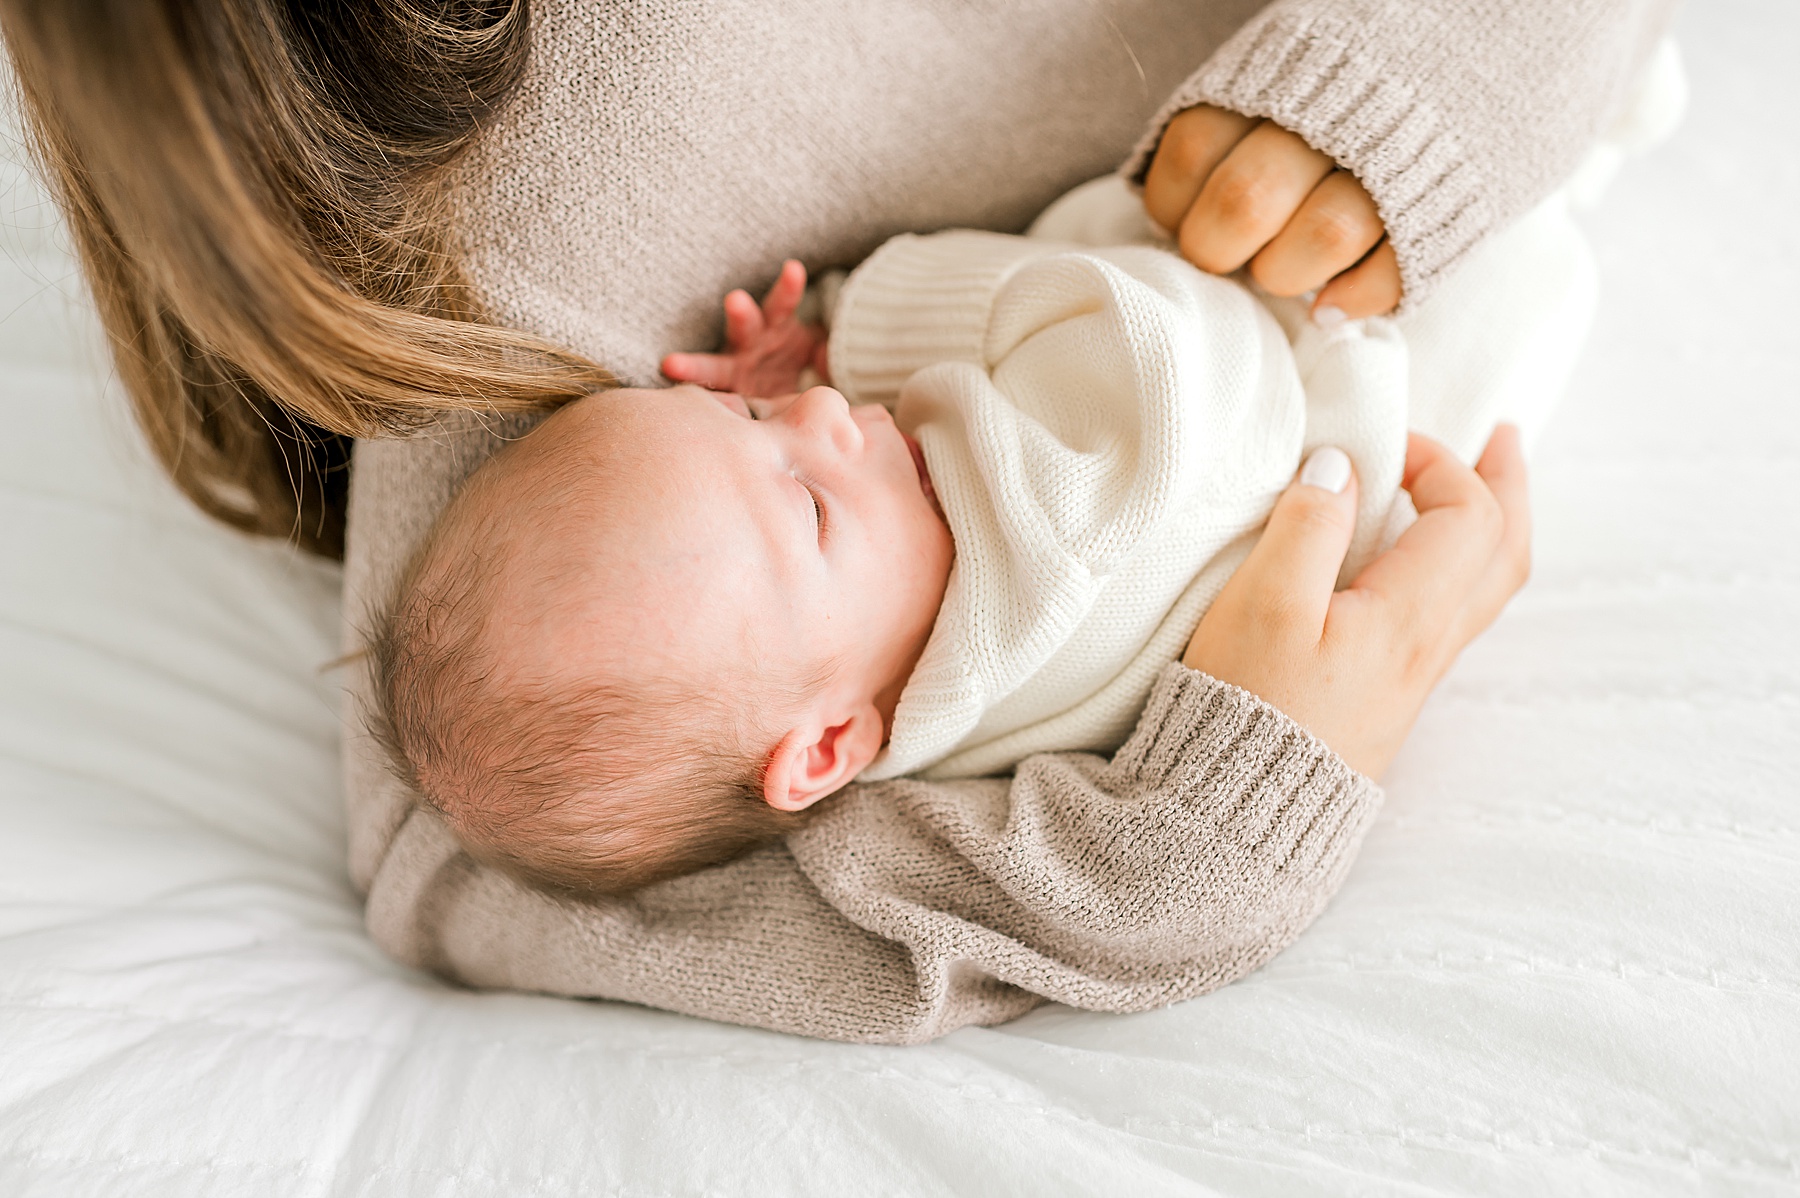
[1355,667]
[1337,225]
[1235,190]
[1285,585]
[1430,573]
[1250,197]
[1195,142]
[1502,468]
[1370,288]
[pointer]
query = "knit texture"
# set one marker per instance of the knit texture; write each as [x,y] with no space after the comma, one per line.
[912,908]
[1099,426]
[1106,427]
[1457,116]
[659,156]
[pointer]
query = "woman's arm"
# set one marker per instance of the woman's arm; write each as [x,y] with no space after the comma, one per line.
[1221,828]
[1193,856]
[911,909]
[1448,118]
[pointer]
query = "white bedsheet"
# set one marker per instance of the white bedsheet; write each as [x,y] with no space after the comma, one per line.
[1568,960]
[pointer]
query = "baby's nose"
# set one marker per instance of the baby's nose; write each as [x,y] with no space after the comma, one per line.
[825,410]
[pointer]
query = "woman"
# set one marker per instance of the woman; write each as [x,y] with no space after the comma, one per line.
[281,208]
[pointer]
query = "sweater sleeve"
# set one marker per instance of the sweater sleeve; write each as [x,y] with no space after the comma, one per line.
[909,909]
[1076,393]
[1457,116]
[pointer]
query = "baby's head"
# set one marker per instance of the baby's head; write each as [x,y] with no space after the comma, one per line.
[658,628]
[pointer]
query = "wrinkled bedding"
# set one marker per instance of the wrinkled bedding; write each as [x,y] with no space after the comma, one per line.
[1568,960]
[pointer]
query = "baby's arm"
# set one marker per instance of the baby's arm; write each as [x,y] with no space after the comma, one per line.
[767,348]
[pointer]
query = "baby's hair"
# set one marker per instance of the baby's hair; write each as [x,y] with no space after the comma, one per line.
[526,772]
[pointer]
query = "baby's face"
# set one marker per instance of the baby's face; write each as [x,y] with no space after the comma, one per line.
[795,536]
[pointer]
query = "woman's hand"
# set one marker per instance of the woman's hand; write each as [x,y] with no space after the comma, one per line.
[1236,190]
[1354,667]
[766,347]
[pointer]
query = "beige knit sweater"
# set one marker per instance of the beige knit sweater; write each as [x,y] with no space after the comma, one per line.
[661,155]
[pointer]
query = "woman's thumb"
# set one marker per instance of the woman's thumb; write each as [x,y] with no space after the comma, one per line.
[1294,567]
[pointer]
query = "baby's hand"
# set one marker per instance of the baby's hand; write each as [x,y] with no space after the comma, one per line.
[1235,190]
[766,348]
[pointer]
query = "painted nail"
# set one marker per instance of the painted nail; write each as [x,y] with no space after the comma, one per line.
[1328,469]
[1328,316]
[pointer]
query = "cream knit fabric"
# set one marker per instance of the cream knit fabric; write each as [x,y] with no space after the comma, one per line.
[1106,426]
[660,155]
[1098,425]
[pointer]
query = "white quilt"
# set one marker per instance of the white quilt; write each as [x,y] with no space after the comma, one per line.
[1567,962]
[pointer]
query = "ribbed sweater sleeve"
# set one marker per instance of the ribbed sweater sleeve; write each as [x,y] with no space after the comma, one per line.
[909,909]
[918,301]
[1456,115]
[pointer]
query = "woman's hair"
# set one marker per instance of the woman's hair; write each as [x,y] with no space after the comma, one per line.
[259,192]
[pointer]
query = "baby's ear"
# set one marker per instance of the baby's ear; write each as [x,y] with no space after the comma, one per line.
[813,761]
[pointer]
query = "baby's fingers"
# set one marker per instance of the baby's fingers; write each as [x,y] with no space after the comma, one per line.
[743,321]
[715,372]
[785,294]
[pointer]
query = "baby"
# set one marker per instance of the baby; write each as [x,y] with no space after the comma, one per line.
[664,624]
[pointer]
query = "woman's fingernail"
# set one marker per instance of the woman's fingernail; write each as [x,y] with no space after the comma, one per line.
[1329,316]
[1328,469]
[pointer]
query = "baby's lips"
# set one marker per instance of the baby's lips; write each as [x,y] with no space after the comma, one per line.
[918,457]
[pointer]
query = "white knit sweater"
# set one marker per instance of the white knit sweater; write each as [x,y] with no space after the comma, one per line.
[1107,427]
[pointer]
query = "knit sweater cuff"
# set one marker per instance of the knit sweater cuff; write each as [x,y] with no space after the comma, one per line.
[918,301]
[1284,790]
[1334,83]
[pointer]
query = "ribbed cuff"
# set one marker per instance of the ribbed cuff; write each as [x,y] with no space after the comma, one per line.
[1277,786]
[918,301]
[1345,92]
